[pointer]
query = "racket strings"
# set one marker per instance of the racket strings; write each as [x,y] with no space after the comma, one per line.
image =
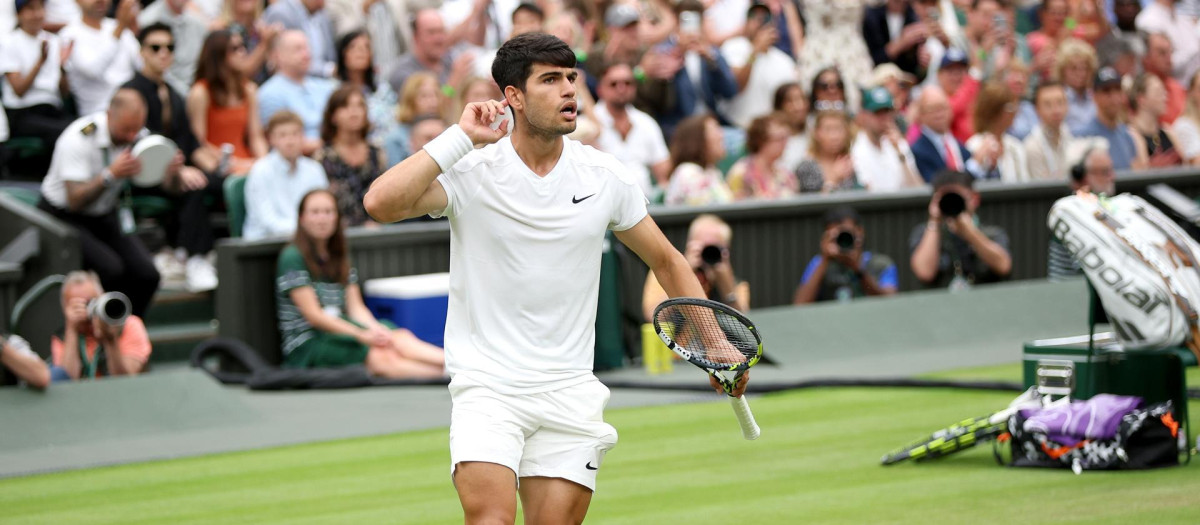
[709,334]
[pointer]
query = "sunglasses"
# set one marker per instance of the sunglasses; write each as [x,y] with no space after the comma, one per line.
[830,85]
[155,48]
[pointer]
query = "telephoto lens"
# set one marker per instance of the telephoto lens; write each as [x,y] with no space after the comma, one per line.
[845,240]
[112,308]
[711,255]
[951,204]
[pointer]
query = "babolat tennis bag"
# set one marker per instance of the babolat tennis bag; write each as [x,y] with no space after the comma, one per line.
[1142,265]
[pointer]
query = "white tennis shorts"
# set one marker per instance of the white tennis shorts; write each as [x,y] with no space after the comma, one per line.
[557,434]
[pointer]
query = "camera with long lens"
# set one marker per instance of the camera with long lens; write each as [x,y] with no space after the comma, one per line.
[112,308]
[951,204]
[712,255]
[845,240]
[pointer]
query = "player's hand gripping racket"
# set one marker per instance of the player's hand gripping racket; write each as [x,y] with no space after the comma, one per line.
[716,338]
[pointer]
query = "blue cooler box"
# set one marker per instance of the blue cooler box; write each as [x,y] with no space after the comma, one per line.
[415,302]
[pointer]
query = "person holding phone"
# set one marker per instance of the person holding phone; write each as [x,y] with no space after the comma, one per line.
[952,249]
[759,67]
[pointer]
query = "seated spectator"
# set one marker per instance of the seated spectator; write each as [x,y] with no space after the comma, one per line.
[431,52]
[1187,126]
[350,161]
[473,89]
[292,89]
[309,18]
[424,129]
[244,19]
[189,229]
[1043,42]
[630,135]
[1049,143]
[899,84]
[758,66]
[1075,66]
[1017,79]
[951,249]
[828,91]
[696,147]
[1109,125]
[91,164]
[387,23]
[880,145]
[34,84]
[791,107]
[1163,17]
[355,67]
[319,304]
[999,154]
[104,53]
[89,347]
[1155,145]
[708,243]
[17,359]
[189,27]
[1093,174]
[420,96]
[222,105]
[1157,62]
[935,149]
[759,175]
[279,180]
[829,166]
[843,270]
[960,88]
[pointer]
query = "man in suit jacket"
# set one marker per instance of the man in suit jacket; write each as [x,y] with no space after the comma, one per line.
[308,16]
[894,34]
[936,149]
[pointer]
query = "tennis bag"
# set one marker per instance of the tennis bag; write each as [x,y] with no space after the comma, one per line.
[1142,265]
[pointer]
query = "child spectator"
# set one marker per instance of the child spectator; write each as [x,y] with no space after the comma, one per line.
[279,180]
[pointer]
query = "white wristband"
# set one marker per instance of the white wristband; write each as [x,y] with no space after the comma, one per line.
[452,145]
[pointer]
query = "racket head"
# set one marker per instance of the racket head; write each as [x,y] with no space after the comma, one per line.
[687,324]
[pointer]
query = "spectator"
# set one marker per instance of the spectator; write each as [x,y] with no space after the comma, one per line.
[104,53]
[759,175]
[961,88]
[1000,155]
[880,145]
[696,147]
[1074,67]
[87,177]
[1155,145]
[899,85]
[385,22]
[992,41]
[1110,104]
[1125,14]
[1043,43]
[319,304]
[1159,17]
[758,67]
[1049,143]
[630,135]
[953,250]
[278,181]
[843,270]
[624,44]
[792,107]
[894,34]
[222,105]
[709,240]
[945,32]
[1017,78]
[355,68]
[59,13]
[833,37]
[309,18]
[32,67]
[935,149]
[188,28]
[431,52]
[1187,126]
[829,166]
[1157,62]
[420,96]
[473,89]
[527,17]
[424,129]
[17,359]
[189,229]
[244,19]
[828,92]
[89,347]
[1094,173]
[349,160]
[292,89]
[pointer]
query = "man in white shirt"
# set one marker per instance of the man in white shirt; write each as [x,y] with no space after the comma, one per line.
[104,53]
[758,67]
[884,160]
[528,217]
[32,68]
[1050,141]
[188,28]
[629,134]
[1183,31]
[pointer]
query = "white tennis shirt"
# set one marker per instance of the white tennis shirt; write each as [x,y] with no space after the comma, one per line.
[525,263]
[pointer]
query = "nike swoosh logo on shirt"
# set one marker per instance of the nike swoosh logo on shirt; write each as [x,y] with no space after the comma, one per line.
[576,200]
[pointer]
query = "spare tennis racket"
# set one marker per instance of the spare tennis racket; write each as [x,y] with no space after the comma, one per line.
[716,338]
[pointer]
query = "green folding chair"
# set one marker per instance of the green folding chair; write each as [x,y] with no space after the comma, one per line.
[235,204]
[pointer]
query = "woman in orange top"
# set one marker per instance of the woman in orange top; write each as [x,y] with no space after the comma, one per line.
[223,105]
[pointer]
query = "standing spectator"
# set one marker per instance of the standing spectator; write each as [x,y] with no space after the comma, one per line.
[291,88]
[420,96]
[222,105]
[829,166]
[696,147]
[955,251]
[1074,67]
[1155,145]
[880,146]
[759,175]
[104,53]
[1157,62]
[87,177]
[1049,143]
[355,67]
[88,347]
[828,91]
[18,359]
[843,270]
[1187,126]
[244,19]
[1110,104]
[320,309]
[792,107]
[309,18]
[188,29]
[758,67]
[351,162]
[935,149]
[431,52]
[1000,155]
[894,34]
[32,67]
[834,38]
[1017,78]
[630,135]
[1160,17]
[278,181]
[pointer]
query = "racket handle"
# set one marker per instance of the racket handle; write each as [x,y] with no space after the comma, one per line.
[741,408]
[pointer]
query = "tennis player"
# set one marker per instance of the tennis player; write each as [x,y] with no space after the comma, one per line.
[528,215]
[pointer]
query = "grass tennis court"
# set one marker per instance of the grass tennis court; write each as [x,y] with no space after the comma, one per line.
[817,462]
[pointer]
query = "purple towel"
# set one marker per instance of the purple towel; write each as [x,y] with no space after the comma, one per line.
[1096,418]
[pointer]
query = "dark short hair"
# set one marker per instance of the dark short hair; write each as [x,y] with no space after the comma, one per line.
[781,93]
[948,177]
[839,214]
[515,59]
[532,8]
[756,132]
[155,27]
[1037,91]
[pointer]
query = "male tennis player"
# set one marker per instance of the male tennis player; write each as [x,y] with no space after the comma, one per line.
[528,215]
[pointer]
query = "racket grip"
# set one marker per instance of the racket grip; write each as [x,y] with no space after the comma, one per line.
[741,408]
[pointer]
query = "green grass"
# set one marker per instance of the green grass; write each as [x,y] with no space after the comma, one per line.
[817,462]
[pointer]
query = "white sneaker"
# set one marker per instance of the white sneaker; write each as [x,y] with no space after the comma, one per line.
[201,276]
[170,269]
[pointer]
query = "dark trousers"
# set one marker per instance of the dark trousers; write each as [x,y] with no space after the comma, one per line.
[189,226]
[122,261]
[43,121]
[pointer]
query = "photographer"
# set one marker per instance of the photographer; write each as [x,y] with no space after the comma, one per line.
[92,325]
[843,270]
[707,251]
[19,363]
[952,249]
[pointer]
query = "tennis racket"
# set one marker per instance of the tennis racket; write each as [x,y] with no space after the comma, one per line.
[716,338]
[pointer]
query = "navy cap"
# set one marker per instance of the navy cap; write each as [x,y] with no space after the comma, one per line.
[21,4]
[955,56]
[1107,77]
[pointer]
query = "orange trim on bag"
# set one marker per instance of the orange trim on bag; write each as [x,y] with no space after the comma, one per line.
[1056,453]
[1169,420]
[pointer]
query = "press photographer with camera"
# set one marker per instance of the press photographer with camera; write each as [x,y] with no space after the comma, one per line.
[101,336]
[844,270]
[951,249]
[707,251]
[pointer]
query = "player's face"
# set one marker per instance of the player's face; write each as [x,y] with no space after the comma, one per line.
[548,101]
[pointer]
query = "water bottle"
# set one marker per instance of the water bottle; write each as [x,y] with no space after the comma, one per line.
[226,157]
